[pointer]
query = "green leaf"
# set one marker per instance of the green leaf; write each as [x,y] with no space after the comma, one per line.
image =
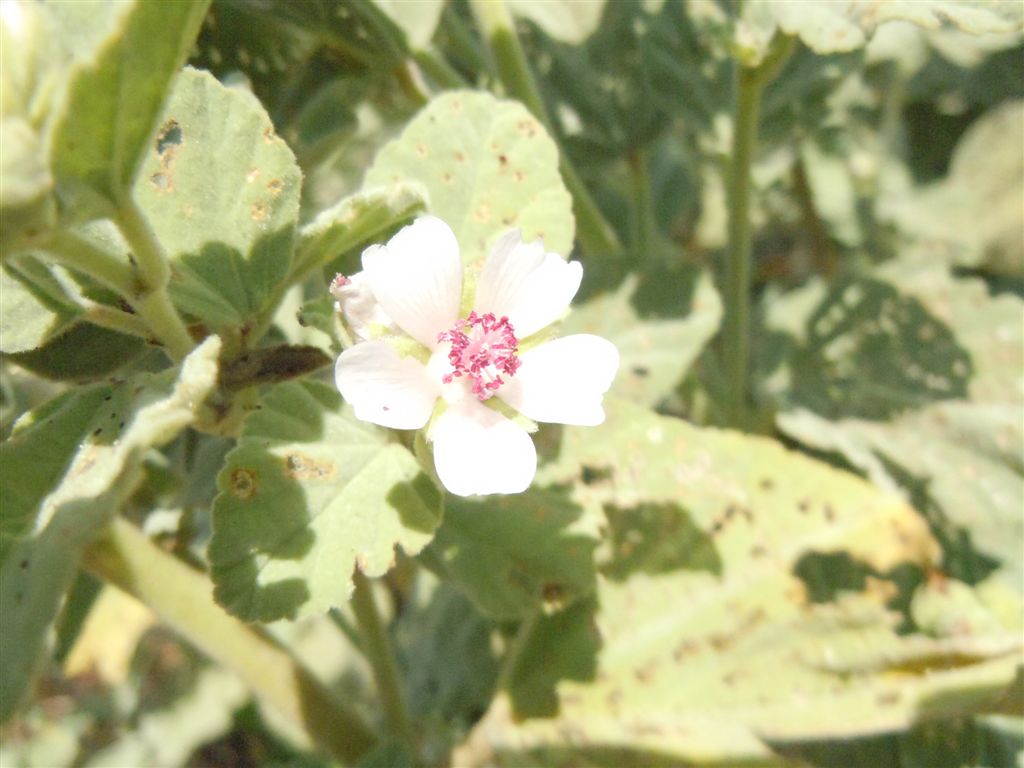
[708,655]
[513,555]
[355,220]
[83,352]
[444,648]
[221,192]
[659,323]
[964,456]
[24,176]
[417,20]
[619,90]
[169,735]
[488,166]
[309,494]
[827,27]
[271,55]
[979,206]
[96,439]
[34,307]
[565,20]
[869,351]
[111,108]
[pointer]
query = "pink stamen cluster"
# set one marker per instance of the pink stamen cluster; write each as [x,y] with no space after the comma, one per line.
[483,348]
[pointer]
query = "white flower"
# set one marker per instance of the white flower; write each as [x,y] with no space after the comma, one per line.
[416,281]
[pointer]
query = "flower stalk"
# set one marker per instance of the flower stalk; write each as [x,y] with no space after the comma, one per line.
[749,87]
[152,302]
[181,597]
[377,647]
[595,234]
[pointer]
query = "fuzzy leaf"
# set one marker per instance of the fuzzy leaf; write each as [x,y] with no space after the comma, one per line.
[356,219]
[221,191]
[513,554]
[979,206]
[82,353]
[707,654]
[963,455]
[111,108]
[565,20]
[659,324]
[488,166]
[828,27]
[308,495]
[96,439]
[417,20]
[29,315]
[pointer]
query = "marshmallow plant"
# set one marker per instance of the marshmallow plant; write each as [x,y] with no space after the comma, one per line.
[476,381]
[223,459]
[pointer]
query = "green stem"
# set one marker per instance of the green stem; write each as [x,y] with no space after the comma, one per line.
[152,302]
[515,649]
[377,648]
[749,87]
[79,254]
[595,234]
[643,224]
[116,320]
[126,558]
[437,68]
[411,79]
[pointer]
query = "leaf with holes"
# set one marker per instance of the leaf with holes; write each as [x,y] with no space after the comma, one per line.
[487,166]
[963,456]
[309,494]
[67,469]
[715,640]
[867,350]
[221,191]
[113,102]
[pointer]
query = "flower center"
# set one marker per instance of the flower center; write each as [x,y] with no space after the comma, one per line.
[483,349]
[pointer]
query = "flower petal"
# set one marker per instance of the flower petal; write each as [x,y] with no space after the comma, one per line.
[563,381]
[355,300]
[417,278]
[479,451]
[531,287]
[385,388]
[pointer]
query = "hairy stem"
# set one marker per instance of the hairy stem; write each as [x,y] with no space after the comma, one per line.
[749,86]
[116,320]
[595,234]
[76,253]
[126,558]
[152,302]
[377,647]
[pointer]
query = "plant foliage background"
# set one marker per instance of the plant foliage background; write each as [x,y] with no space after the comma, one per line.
[797,538]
